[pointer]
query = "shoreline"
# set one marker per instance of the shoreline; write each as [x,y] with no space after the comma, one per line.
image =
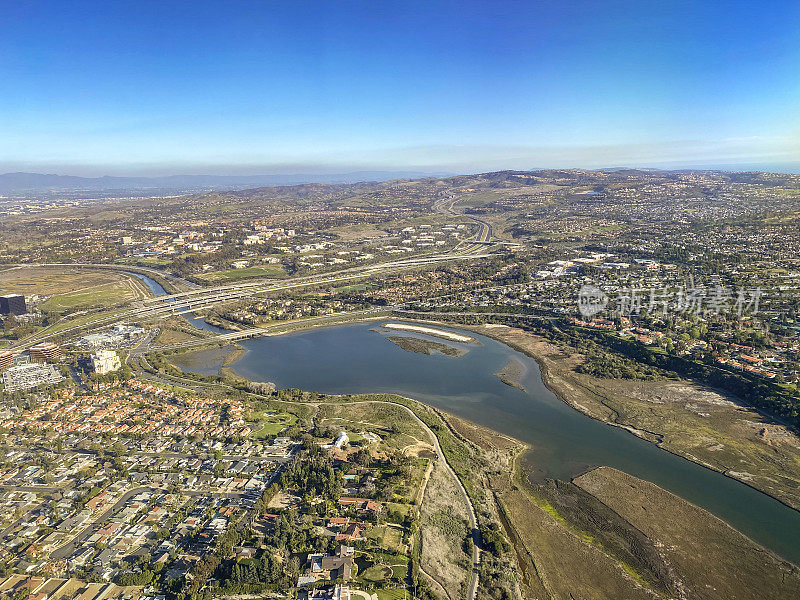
[441,333]
[640,433]
[517,470]
[547,381]
[512,373]
[422,346]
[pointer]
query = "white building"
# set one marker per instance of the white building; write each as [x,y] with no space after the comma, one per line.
[105,361]
[341,440]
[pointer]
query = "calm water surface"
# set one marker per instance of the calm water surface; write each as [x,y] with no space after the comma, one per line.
[356,359]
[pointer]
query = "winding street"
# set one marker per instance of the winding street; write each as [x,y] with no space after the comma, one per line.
[473,521]
[476,552]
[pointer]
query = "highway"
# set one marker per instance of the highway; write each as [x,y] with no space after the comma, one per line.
[193,300]
[482,239]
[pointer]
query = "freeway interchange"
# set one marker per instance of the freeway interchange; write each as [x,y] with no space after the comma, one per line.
[198,299]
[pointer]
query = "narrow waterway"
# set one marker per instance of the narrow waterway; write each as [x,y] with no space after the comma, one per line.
[356,359]
[158,290]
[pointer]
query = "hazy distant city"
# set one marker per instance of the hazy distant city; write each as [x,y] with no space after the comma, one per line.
[472,301]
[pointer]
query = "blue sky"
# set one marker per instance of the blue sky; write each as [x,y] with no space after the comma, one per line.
[232,87]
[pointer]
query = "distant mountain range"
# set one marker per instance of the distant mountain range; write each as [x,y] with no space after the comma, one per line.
[31,182]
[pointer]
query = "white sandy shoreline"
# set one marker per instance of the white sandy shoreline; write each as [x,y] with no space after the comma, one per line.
[449,335]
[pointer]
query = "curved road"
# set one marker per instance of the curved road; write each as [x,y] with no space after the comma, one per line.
[473,521]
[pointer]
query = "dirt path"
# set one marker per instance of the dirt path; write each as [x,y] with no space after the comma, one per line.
[473,520]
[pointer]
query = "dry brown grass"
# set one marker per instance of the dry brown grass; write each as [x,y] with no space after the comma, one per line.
[443,528]
[568,565]
[698,423]
[710,559]
[73,287]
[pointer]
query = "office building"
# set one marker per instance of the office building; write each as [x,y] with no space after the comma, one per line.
[105,361]
[45,352]
[12,304]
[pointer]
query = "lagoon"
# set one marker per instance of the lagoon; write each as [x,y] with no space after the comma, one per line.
[565,443]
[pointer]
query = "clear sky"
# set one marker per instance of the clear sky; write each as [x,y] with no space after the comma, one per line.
[157,87]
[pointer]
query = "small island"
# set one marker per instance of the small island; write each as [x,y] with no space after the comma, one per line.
[512,374]
[422,346]
[442,333]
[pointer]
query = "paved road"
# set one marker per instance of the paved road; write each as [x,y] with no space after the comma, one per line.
[264,458]
[166,305]
[473,521]
[21,520]
[40,489]
[68,549]
[473,586]
[476,551]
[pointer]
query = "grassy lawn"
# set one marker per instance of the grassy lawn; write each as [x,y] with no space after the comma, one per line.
[398,507]
[390,538]
[398,594]
[109,294]
[265,425]
[354,437]
[376,573]
[276,271]
[378,418]
[169,336]
[79,320]
[400,571]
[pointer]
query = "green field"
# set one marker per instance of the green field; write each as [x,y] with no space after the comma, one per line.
[72,289]
[275,271]
[389,538]
[377,573]
[265,425]
[102,295]
[397,594]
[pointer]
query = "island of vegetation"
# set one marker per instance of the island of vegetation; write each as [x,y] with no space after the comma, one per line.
[512,374]
[423,346]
